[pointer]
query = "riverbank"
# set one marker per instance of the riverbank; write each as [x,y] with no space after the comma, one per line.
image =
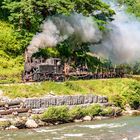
[54,110]
[58,115]
[37,103]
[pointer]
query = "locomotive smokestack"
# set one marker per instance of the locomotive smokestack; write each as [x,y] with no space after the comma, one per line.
[25,55]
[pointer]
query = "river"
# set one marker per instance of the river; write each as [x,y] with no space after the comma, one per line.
[112,129]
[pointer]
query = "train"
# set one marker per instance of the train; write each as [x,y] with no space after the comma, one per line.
[53,69]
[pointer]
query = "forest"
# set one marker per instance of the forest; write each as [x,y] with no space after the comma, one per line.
[20,20]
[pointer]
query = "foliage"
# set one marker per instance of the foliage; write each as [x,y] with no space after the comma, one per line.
[59,113]
[132,94]
[21,19]
[65,114]
[9,45]
[107,111]
[93,110]
[133,6]
[118,100]
[29,14]
[76,112]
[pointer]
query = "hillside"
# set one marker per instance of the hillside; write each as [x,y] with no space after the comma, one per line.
[20,20]
[11,60]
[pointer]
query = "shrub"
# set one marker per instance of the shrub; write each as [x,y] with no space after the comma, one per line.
[118,100]
[76,112]
[93,110]
[107,111]
[132,94]
[53,114]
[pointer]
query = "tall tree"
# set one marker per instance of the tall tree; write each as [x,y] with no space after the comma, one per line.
[29,14]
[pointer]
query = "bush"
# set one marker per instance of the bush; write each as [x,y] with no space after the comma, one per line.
[107,111]
[54,114]
[76,112]
[93,110]
[118,100]
[132,94]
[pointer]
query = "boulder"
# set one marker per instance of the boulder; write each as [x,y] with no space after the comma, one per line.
[41,123]
[100,118]
[12,127]
[76,121]
[87,118]
[131,112]
[31,124]
[19,122]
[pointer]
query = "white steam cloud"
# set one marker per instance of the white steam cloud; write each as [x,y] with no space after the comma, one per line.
[121,43]
[58,28]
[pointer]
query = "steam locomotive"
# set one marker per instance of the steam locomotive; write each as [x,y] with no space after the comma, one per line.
[40,69]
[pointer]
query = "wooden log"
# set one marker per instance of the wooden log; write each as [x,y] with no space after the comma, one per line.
[10,107]
[11,103]
[19,110]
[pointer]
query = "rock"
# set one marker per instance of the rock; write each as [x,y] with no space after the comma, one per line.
[19,122]
[131,112]
[12,127]
[41,123]
[24,118]
[87,118]
[31,124]
[100,118]
[127,107]
[76,121]
[117,111]
[58,122]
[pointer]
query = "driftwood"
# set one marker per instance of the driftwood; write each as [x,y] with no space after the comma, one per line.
[10,111]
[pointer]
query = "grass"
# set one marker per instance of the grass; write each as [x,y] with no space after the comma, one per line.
[119,91]
[99,87]
[10,69]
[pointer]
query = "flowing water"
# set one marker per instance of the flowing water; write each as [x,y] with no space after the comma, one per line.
[123,128]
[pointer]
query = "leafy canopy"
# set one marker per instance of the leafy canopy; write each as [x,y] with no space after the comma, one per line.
[29,14]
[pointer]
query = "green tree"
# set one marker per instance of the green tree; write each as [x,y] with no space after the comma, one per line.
[133,6]
[29,14]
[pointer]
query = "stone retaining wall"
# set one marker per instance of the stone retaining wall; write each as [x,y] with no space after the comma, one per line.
[36,103]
